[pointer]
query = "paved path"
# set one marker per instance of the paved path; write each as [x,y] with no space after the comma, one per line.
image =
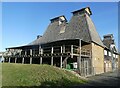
[105,79]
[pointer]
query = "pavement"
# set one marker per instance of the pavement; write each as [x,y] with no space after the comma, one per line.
[110,79]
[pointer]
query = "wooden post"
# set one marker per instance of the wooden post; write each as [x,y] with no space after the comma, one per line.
[3,59]
[40,52]
[20,52]
[15,60]
[65,62]
[79,58]
[23,60]
[61,58]
[39,49]
[52,60]
[71,51]
[112,59]
[40,60]
[30,60]
[63,48]
[25,52]
[9,59]
[52,56]
[31,56]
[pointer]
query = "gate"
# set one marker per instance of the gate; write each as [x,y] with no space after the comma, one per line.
[86,67]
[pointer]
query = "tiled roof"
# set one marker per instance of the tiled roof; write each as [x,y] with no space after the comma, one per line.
[79,27]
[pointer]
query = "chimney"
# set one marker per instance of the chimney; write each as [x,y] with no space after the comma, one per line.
[82,11]
[108,40]
[39,36]
[60,19]
[108,36]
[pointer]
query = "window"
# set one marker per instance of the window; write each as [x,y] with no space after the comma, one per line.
[114,55]
[105,52]
[109,53]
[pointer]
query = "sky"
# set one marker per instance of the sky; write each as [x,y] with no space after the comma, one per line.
[23,21]
[119,27]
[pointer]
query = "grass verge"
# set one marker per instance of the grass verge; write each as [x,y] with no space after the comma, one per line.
[26,75]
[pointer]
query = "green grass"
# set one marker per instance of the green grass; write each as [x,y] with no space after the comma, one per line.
[37,75]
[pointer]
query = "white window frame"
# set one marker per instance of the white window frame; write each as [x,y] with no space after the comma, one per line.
[109,53]
[114,55]
[105,52]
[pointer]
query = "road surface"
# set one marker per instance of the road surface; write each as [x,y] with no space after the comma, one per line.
[106,79]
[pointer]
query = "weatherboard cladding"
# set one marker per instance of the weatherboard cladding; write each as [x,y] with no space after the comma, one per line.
[79,27]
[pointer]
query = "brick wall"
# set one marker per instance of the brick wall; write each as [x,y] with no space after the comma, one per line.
[87,47]
[97,58]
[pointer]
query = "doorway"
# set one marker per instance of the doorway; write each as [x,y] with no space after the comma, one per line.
[85,66]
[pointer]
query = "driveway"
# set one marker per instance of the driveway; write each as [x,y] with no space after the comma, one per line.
[105,79]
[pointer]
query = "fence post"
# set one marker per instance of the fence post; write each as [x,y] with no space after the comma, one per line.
[71,51]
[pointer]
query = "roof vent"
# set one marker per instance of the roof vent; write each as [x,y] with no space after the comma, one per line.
[108,36]
[83,11]
[59,19]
